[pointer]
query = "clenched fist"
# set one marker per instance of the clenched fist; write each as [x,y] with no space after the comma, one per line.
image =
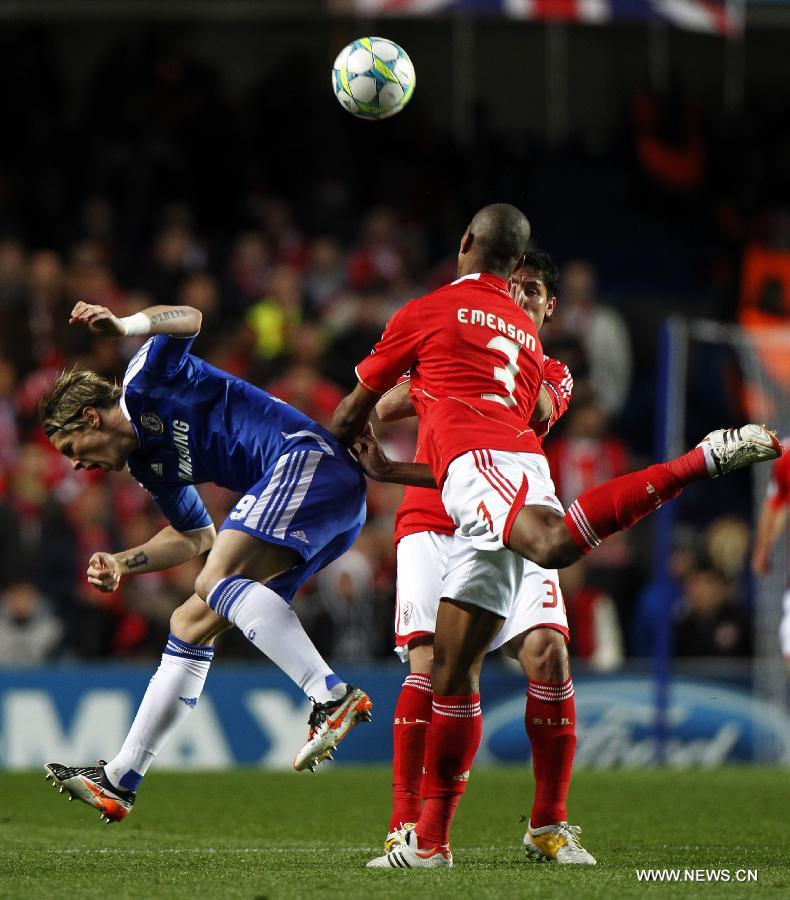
[104,572]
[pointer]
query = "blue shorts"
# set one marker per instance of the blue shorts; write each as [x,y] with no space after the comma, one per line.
[309,500]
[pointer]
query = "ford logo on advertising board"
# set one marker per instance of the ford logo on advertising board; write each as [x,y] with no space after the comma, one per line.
[708,724]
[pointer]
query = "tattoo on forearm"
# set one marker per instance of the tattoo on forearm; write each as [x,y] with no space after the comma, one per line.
[134,562]
[169,314]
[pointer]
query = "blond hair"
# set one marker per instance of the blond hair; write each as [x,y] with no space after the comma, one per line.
[61,407]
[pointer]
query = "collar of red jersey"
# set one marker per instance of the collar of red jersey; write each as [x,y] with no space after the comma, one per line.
[484,276]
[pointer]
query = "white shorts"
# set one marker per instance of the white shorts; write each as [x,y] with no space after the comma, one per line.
[484,491]
[422,560]
[784,627]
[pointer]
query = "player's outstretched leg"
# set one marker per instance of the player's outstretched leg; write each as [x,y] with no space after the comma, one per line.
[620,503]
[540,535]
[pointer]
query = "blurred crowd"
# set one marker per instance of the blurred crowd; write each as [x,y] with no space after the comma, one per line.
[167,198]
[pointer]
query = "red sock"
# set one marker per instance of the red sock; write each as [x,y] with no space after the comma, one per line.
[409,731]
[453,739]
[551,726]
[618,504]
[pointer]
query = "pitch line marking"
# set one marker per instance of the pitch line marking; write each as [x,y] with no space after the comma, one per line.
[141,851]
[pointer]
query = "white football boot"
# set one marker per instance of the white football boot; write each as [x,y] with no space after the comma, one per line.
[329,723]
[406,855]
[90,784]
[558,842]
[729,449]
[398,836]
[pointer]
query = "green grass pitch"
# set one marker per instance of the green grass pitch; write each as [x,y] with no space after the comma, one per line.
[252,834]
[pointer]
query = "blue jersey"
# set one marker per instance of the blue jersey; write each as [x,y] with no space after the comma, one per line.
[195,423]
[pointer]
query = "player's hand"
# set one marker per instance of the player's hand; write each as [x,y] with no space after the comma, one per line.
[372,458]
[515,287]
[104,572]
[98,318]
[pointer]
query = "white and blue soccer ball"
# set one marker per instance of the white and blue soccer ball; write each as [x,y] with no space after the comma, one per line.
[373,78]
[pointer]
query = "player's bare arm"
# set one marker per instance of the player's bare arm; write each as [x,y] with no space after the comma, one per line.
[543,406]
[772,521]
[378,466]
[396,404]
[176,321]
[167,548]
[352,414]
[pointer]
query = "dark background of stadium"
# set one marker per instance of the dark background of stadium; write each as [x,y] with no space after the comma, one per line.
[204,160]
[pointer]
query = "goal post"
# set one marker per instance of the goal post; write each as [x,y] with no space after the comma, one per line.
[763,361]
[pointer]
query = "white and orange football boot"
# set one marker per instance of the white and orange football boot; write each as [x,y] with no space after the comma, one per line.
[91,785]
[329,723]
[729,449]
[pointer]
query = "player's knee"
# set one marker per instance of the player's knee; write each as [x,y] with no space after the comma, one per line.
[188,622]
[421,655]
[543,539]
[444,670]
[545,656]
[207,580]
[178,620]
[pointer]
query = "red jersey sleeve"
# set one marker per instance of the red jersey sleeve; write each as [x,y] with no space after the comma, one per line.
[395,353]
[558,381]
[779,485]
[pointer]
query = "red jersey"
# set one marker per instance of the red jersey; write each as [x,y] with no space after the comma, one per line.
[476,366]
[779,484]
[421,508]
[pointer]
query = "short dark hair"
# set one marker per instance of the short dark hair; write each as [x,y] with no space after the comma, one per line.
[541,262]
[501,233]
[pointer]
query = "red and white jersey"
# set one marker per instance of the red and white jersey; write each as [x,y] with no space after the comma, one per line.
[476,367]
[779,484]
[421,508]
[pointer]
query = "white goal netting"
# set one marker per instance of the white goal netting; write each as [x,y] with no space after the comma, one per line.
[715,367]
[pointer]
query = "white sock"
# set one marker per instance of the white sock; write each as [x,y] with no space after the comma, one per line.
[268,622]
[171,695]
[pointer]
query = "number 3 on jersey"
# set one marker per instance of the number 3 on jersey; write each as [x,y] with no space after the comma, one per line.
[506,375]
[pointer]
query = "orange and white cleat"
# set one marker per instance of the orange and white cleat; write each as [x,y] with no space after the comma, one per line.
[330,723]
[90,784]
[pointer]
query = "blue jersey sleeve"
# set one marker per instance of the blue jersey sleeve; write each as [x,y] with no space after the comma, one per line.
[166,354]
[182,507]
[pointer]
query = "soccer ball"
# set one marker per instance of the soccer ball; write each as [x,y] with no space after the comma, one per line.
[373,78]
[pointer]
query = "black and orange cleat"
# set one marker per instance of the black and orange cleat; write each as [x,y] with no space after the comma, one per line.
[330,723]
[90,784]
